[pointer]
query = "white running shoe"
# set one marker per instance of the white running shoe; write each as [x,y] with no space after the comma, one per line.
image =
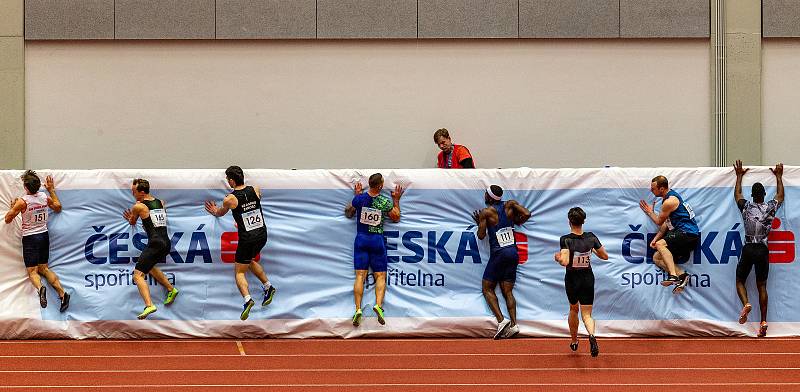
[501,327]
[510,332]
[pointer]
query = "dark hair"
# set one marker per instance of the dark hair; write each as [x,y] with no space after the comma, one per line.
[758,190]
[236,174]
[576,216]
[497,190]
[31,181]
[661,181]
[142,185]
[441,132]
[375,180]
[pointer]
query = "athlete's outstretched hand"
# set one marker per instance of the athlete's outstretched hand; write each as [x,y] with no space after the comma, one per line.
[557,257]
[358,189]
[127,214]
[778,170]
[49,184]
[397,193]
[739,168]
[476,216]
[647,208]
[211,207]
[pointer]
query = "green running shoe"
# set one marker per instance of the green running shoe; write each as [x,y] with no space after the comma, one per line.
[171,296]
[357,318]
[247,306]
[268,294]
[379,312]
[147,311]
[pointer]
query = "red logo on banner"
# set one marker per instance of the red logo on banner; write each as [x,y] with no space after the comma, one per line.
[781,244]
[522,246]
[228,243]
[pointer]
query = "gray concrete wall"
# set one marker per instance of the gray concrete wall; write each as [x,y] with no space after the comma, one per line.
[365,19]
[12,85]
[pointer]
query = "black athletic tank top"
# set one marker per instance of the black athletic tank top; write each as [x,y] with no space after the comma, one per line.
[155,225]
[247,214]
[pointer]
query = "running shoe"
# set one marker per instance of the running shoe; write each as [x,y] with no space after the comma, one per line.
[593,346]
[745,311]
[64,302]
[379,312]
[357,318]
[268,294]
[670,280]
[573,346]
[171,296]
[247,306]
[147,311]
[762,332]
[683,281]
[501,327]
[43,297]
[510,332]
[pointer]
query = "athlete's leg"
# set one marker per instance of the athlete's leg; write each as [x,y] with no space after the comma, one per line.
[491,299]
[573,321]
[666,255]
[511,303]
[358,287]
[763,298]
[380,287]
[52,278]
[258,271]
[33,276]
[741,290]
[161,279]
[588,321]
[241,279]
[141,284]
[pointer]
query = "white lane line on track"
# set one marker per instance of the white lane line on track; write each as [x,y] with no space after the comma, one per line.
[398,385]
[334,340]
[559,369]
[392,355]
[241,349]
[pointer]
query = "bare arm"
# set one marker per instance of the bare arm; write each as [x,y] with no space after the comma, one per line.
[740,172]
[228,203]
[17,206]
[778,172]
[479,216]
[134,213]
[562,257]
[521,214]
[52,201]
[661,231]
[601,252]
[394,213]
[349,210]
[667,207]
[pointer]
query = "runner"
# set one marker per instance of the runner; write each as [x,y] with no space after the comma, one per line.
[576,252]
[153,213]
[498,220]
[369,248]
[678,233]
[757,216]
[245,205]
[35,238]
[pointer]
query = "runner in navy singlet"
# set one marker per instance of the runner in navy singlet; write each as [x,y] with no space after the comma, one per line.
[678,233]
[498,221]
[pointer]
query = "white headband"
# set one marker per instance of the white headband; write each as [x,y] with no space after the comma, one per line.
[491,194]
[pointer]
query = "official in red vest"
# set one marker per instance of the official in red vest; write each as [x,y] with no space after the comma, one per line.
[452,156]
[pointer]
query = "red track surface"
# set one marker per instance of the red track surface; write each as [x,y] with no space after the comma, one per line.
[725,364]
